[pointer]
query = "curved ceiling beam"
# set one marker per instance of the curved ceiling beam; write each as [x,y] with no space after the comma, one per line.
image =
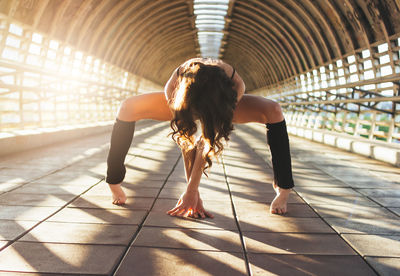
[163,30]
[97,14]
[79,15]
[297,23]
[282,26]
[328,30]
[265,51]
[129,28]
[153,50]
[315,31]
[337,18]
[111,34]
[59,15]
[141,62]
[252,57]
[110,22]
[138,37]
[248,69]
[293,26]
[252,60]
[281,45]
[156,44]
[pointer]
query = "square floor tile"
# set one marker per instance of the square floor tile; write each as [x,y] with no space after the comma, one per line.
[51,189]
[246,210]
[60,258]
[163,261]
[42,200]
[350,201]
[333,211]
[374,193]
[251,187]
[11,229]
[60,232]
[102,189]
[287,243]
[26,212]
[395,210]
[8,186]
[105,202]
[365,226]
[385,266]
[220,221]
[271,264]
[317,180]
[140,183]
[375,245]
[108,216]
[196,239]
[262,197]
[325,191]
[284,224]
[70,179]
[388,201]
[3,244]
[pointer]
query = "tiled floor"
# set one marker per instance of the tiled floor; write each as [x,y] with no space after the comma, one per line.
[56,216]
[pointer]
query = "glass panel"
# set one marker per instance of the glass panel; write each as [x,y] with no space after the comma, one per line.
[210,22]
[353,68]
[53,44]
[386,70]
[366,53]
[369,74]
[351,59]
[37,38]
[367,64]
[384,59]
[13,41]
[383,48]
[34,49]
[14,29]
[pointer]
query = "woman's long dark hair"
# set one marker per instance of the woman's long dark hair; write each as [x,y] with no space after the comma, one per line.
[205,93]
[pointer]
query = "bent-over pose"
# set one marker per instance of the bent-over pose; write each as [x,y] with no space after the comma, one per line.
[202,99]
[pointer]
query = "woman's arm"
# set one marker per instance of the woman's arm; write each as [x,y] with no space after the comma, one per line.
[190,203]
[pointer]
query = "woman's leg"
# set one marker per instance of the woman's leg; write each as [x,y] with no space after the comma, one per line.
[253,108]
[146,106]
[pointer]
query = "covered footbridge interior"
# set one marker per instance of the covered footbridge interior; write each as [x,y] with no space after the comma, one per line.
[333,65]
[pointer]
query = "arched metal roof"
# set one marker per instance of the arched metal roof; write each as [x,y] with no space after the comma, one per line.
[269,40]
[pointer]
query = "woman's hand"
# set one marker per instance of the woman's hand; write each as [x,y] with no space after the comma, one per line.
[190,205]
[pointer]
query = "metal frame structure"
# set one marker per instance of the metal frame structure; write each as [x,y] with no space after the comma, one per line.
[359,94]
[44,83]
[333,59]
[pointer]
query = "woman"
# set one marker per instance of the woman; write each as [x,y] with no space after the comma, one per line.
[202,98]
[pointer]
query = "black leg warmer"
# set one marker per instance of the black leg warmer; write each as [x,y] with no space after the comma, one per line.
[278,141]
[121,139]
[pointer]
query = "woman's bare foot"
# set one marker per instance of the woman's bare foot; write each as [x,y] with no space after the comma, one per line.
[279,204]
[118,195]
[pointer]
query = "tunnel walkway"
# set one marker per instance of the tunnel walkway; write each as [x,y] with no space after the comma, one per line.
[56,214]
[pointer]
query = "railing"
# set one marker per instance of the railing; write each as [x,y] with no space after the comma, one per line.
[44,83]
[359,113]
[358,94]
[32,98]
